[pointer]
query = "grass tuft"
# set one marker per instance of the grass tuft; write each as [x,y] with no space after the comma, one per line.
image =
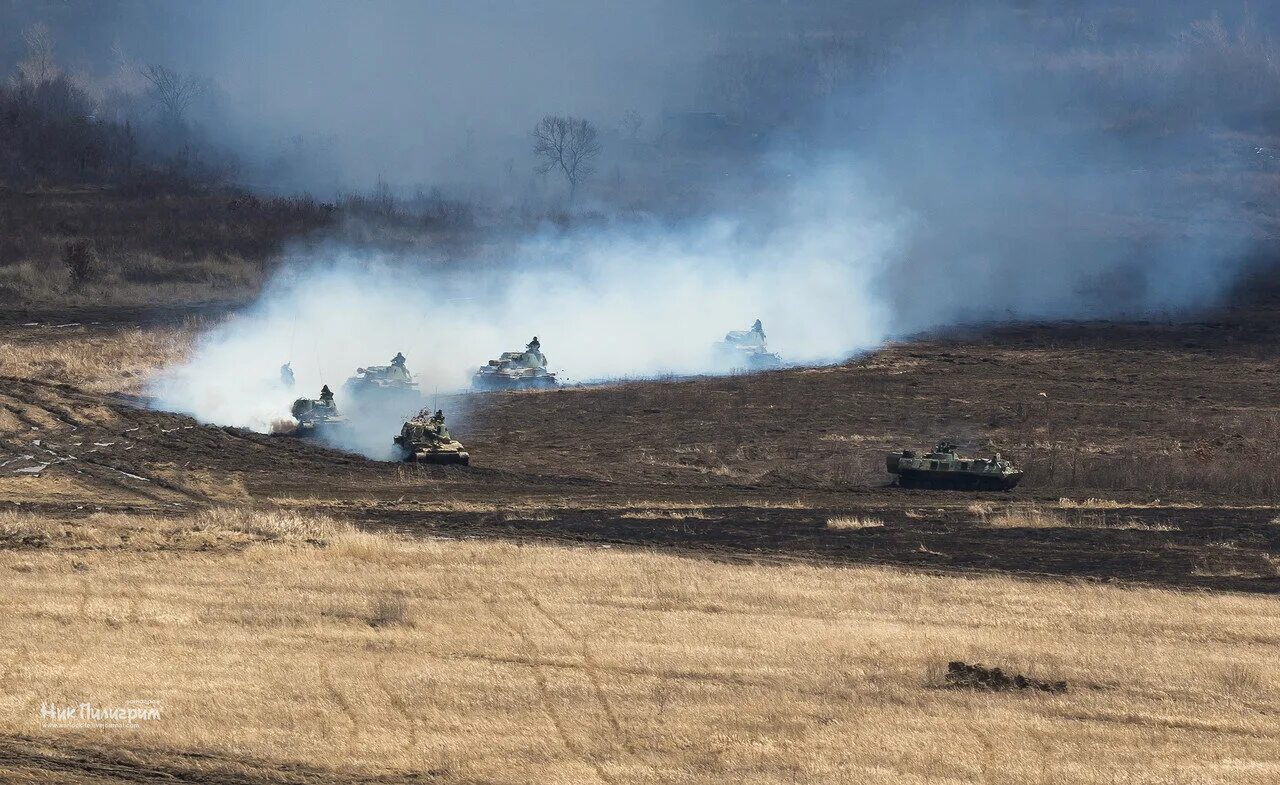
[853,522]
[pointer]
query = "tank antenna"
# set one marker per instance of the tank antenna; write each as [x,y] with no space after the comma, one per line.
[315,346]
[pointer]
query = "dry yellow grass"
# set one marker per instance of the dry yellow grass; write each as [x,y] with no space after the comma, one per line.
[853,522]
[981,509]
[1032,516]
[217,527]
[1110,504]
[1022,516]
[121,361]
[679,514]
[498,663]
[228,487]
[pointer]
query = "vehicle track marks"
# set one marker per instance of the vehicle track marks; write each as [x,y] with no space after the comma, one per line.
[544,691]
[348,711]
[589,667]
[399,704]
[19,653]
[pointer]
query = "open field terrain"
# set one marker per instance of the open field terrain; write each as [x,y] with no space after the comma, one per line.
[744,598]
[1171,427]
[639,578]
[287,648]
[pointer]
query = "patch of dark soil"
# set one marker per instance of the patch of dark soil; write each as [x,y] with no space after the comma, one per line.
[1202,549]
[1120,412]
[962,675]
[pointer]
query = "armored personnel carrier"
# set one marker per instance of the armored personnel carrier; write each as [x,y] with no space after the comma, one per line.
[315,414]
[516,370]
[945,468]
[425,439]
[747,349]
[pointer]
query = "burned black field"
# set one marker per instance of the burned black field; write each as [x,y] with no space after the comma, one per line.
[1148,449]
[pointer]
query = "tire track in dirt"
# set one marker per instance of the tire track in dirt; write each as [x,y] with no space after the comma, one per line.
[65,460]
[397,703]
[56,682]
[348,711]
[56,679]
[20,415]
[187,493]
[96,468]
[60,413]
[544,691]
[83,608]
[589,667]
[19,653]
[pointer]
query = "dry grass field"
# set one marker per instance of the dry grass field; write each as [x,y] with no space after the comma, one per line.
[119,359]
[281,639]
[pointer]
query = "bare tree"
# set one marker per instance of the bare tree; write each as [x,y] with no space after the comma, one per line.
[569,145]
[171,93]
[631,122]
[39,66]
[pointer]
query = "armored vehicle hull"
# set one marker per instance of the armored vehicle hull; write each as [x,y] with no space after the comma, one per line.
[447,455]
[368,381]
[747,350]
[310,428]
[425,439]
[489,378]
[390,386]
[945,469]
[316,416]
[525,370]
[760,361]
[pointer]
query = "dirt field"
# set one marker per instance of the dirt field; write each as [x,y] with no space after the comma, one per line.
[746,598]
[1174,426]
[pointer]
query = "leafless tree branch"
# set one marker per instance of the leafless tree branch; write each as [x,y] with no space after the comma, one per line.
[569,145]
[171,93]
[39,65]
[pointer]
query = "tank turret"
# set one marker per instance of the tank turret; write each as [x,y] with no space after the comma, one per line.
[314,414]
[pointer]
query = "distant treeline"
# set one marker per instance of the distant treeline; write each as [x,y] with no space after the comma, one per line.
[51,133]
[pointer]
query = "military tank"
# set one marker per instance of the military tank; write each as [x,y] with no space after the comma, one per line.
[945,468]
[381,387]
[316,414]
[516,371]
[425,439]
[747,349]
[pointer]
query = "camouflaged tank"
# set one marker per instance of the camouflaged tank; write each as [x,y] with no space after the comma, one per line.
[315,414]
[425,439]
[945,468]
[747,349]
[384,385]
[516,370]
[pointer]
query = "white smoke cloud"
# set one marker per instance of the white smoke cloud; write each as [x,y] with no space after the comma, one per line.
[830,267]
[606,304]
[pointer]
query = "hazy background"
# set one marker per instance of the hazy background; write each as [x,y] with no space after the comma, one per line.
[846,171]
